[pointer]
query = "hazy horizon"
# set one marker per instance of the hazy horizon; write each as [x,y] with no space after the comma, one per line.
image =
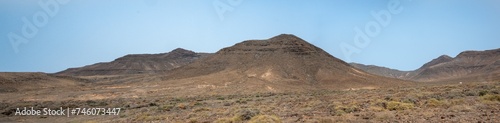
[75,33]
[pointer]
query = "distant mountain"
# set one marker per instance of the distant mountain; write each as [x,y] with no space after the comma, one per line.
[138,63]
[468,65]
[465,65]
[283,62]
[436,61]
[383,71]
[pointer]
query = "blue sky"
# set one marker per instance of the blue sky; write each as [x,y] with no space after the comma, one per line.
[84,32]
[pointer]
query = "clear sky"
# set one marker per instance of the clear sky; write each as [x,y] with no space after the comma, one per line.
[84,32]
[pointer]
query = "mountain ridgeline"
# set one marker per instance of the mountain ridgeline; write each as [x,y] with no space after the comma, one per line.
[466,66]
[138,63]
[282,63]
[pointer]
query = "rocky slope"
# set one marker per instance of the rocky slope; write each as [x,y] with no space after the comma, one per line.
[139,63]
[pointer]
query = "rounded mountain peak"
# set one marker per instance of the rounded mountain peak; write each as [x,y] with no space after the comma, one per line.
[444,57]
[285,37]
[284,43]
[180,52]
[439,60]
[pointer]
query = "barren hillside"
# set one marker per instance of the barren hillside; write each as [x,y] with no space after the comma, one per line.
[282,63]
[139,63]
[466,66]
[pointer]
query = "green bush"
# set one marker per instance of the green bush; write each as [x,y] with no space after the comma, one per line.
[221,98]
[483,92]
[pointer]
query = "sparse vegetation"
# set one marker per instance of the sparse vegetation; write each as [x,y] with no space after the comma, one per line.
[379,105]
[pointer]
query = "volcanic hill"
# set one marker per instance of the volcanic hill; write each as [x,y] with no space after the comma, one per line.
[138,63]
[284,62]
[466,66]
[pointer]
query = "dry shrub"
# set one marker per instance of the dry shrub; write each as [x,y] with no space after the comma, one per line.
[393,105]
[265,119]
[490,98]
[436,103]
[339,110]
[240,115]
